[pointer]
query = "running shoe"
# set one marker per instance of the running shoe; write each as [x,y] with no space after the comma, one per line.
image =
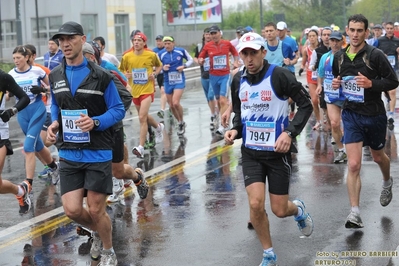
[221,130]
[96,244]
[117,190]
[24,200]
[250,226]
[161,114]
[317,126]
[142,185]
[269,260]
[304,222]
[108,259]
[149,144]
[181,128]
[390,119]
[333,142]
[341,157]
[138,151]
[44,173]
[386,195]
[55,174]
[212,123]
[353,221]
[159,133]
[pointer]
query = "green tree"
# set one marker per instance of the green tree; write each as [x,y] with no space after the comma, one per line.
[170,4]
[246,14]
[300,14]
[377,11]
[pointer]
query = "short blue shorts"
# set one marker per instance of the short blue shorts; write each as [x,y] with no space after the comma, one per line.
[220,85]
[370,130]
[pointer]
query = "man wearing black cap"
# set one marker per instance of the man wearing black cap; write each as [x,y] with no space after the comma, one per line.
[85,106]
[218,51]
[54,55]
[209,95]
[235,41]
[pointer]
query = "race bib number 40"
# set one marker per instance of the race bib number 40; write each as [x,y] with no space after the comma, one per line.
[71,132]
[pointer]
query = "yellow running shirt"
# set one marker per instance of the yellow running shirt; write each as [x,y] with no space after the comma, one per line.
[141,67]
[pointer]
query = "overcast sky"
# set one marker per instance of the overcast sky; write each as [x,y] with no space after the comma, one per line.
[227,3]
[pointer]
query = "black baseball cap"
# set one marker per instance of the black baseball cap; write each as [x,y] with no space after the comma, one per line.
[239,28]
[214,28]
[159,37]
[69,28]
[336,35]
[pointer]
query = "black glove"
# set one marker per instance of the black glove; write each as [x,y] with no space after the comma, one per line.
[300,71]
[37,89]
[6,115]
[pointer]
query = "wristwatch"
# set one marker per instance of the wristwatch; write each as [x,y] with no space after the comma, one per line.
[96,123]
[14,110]
[289,133]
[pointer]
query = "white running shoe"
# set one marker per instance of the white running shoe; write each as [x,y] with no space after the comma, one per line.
[117,189]
[159,133]
[138,151]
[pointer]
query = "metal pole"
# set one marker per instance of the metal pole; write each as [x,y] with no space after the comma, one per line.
[195,16]
[1,37]
[18,21]
[261,14]
[37,28]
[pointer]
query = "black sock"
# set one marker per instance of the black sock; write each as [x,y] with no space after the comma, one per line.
[52,165]
[30,181]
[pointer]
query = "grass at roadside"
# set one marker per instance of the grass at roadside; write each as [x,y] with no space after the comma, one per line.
[6,66]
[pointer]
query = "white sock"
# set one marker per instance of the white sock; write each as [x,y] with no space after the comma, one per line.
[300,212]
[21,191]
[355,209]
[386,183]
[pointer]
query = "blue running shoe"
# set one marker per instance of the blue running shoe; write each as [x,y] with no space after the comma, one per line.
[304,222]
[269,260]
[45,172]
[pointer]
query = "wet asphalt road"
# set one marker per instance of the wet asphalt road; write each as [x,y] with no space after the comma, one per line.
[197,210]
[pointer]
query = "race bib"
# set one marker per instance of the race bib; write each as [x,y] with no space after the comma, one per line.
[26,85]
[71,132]
[207,64]
[140,76]
[314,75]
[260,135]
[175,77]
[329,93]
[351,90]
[4,130]
[219,62]
[391,59]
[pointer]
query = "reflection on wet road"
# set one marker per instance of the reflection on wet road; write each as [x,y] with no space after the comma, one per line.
[196,211]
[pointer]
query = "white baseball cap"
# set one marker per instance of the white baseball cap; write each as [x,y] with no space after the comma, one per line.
[251,40]
[396,24]
[281,25]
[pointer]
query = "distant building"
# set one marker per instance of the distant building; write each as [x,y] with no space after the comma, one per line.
[112,19]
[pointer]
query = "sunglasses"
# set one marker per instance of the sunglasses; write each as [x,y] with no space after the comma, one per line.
[213,33]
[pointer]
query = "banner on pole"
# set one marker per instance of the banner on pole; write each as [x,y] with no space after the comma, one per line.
[192,12]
